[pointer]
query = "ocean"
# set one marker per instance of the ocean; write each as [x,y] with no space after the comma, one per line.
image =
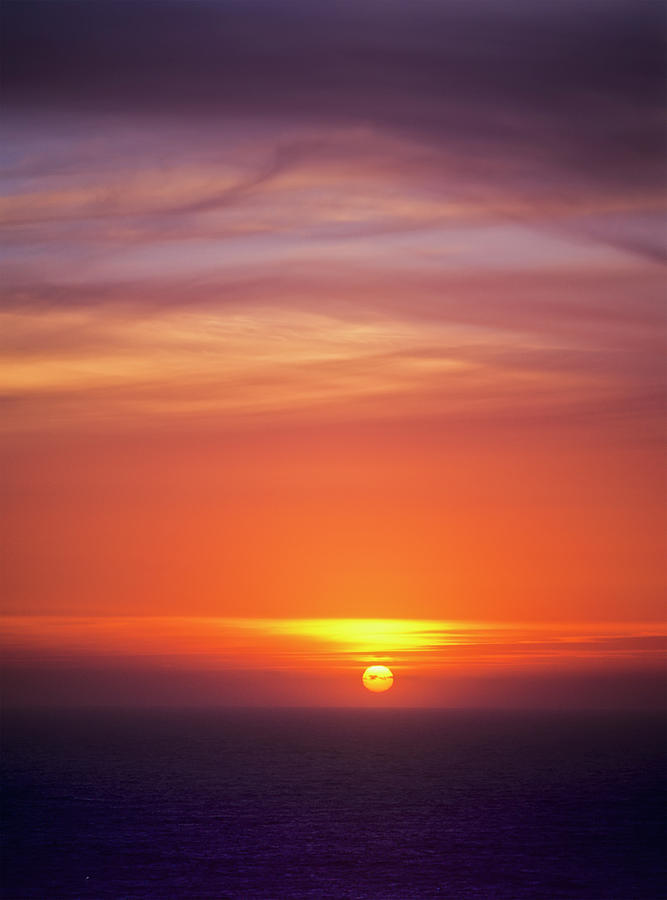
[387,804]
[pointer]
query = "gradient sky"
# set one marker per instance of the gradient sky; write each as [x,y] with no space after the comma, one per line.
[333,311]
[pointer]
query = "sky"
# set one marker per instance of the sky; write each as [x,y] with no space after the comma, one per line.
[333,313]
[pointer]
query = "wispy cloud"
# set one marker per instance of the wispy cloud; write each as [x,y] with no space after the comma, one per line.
[435,345]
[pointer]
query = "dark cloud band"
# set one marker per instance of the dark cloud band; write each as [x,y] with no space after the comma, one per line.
[579,83]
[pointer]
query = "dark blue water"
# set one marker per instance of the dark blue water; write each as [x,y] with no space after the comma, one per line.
[333,803]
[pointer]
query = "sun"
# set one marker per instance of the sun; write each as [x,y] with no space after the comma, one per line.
[378,679]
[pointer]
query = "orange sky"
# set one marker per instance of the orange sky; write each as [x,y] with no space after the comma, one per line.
[417,518]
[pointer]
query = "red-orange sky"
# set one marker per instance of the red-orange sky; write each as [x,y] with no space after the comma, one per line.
[356,315]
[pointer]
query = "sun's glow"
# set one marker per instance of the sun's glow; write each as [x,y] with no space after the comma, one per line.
[362,635]
[378,679]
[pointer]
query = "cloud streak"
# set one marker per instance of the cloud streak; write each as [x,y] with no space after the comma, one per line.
[312,644]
